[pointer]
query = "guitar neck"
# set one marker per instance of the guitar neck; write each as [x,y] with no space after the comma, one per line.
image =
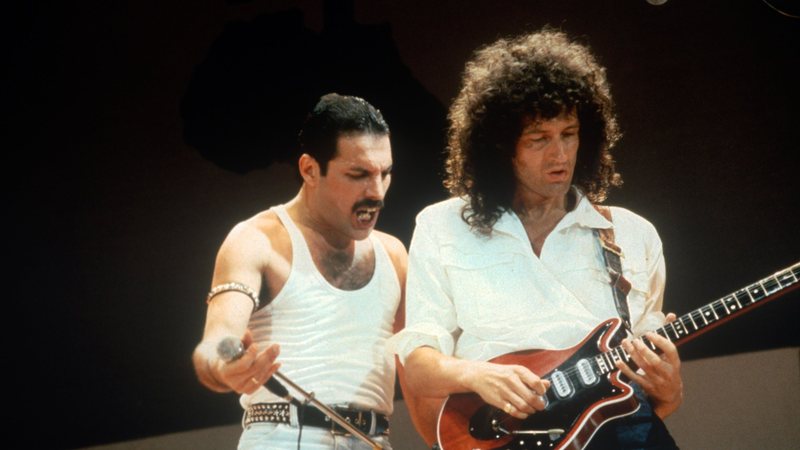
[717,312]
[713,314]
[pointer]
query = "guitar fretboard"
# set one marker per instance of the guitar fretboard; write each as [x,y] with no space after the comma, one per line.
[703,318]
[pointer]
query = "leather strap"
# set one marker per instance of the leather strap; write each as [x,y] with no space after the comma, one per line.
[612,255]
[369,422]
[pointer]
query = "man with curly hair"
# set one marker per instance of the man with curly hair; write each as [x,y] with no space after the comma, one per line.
[513,260]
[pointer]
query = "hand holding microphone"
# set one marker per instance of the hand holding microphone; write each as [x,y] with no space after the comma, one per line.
[233,352]
[246,369]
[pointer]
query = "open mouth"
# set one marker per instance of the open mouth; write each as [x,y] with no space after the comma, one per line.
[366,215]
[558,175]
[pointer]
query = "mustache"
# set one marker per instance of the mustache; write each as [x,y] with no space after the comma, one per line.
[368,203]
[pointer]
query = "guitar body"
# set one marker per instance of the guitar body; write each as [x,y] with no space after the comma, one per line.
[465,421]
[586,390]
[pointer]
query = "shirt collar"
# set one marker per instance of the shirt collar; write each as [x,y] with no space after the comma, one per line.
[584,214]
[509,223]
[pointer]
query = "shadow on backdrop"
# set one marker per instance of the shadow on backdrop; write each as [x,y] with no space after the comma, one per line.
[249,97]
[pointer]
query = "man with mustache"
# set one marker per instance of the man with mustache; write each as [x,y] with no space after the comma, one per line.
[514,261]
[311,288]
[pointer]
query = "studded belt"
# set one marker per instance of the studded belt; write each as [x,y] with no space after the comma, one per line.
[369,422]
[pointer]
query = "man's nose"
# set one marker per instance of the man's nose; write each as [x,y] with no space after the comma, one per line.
[376,189]
[559,150]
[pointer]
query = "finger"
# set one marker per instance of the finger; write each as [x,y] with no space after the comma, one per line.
[657,374]
[244,385]
[643,359]
[671,317]
[633,353]
[533,399]
[627,371]
[272,371]
[659,371]
[667,348]
[251,385]
[643,356]
[521,408]
[538,385]
[648,357]
[244,363]
[633,376]
[531,388]
[511,390]
[511,410]
[273,351]
[263,367]
[247,339]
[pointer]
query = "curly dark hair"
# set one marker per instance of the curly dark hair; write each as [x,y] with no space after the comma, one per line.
[539,75]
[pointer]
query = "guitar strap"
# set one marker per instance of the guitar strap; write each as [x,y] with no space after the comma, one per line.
[612,255]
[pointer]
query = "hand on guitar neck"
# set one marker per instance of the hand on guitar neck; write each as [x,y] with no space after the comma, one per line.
[658,375]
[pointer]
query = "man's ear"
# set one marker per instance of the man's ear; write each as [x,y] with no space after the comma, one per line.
[309,169]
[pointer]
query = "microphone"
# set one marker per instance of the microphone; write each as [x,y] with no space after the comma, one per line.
[230,349]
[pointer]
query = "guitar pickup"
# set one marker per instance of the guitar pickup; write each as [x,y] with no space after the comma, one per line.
[561,385]
[586,373]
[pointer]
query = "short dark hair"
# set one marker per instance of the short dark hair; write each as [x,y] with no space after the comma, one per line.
[535,76]
[334,116]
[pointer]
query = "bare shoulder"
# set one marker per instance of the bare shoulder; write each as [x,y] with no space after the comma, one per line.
[254,239]
[393,246]
[397,252]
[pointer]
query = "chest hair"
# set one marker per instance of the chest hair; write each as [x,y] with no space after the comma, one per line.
[347,270]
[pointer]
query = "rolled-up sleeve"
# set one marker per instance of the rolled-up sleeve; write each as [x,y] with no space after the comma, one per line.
[653,316]
[653,276]
[430,314]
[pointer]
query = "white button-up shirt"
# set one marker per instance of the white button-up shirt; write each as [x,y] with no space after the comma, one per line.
[477,297]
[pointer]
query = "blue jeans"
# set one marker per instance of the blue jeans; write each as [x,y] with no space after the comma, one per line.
[643,430]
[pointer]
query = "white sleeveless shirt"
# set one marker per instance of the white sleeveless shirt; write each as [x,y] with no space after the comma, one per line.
[333,341]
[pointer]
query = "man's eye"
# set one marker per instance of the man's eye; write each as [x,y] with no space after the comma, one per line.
[537,141]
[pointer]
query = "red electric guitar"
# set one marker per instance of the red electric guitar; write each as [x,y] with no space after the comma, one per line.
[586,389]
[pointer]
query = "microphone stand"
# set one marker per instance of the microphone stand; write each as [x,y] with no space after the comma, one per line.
[230,349]
[309,396]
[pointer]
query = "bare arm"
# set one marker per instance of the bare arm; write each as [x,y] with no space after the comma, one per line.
[242,258]
[433,374]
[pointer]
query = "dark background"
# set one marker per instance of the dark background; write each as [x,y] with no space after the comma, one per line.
[143,130]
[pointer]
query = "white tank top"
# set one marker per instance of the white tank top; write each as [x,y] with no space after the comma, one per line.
[333,341]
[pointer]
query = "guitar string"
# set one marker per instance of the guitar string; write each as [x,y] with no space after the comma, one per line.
[717,306]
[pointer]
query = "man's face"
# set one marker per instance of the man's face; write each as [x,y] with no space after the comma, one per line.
[545,156]
[353,189]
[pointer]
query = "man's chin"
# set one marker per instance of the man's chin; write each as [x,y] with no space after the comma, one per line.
[361,234]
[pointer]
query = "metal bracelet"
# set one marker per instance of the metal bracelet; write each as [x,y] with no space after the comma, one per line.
[234,286]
